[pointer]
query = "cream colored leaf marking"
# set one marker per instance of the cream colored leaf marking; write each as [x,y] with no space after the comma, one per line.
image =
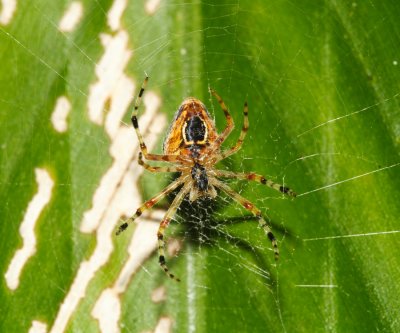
[151,6]
[119,89]
[116,195]
[123,200]
[110,73]
[159,294]
[115,14]
[7,11]
[60,114]
[164,325]
[71,17]
[26,230]
[107,309]
[143,243]
[123,150]
[38,327]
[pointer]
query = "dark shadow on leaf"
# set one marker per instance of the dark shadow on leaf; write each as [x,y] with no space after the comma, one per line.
[200,227]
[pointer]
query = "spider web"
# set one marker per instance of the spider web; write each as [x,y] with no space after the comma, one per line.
[326,127]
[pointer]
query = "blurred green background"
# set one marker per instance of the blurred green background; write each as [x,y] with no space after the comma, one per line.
[322,82]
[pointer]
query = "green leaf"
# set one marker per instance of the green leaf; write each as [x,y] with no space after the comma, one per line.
[321,80]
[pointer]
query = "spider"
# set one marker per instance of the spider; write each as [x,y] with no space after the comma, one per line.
[193,146]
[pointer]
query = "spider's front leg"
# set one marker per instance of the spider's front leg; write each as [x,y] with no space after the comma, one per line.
[229,121]
[135,123]
[243,132]
[156,168]
[251,208]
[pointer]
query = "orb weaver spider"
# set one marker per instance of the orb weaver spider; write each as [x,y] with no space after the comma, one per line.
[194,147]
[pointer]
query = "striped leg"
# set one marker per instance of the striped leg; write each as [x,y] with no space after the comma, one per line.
[243,133]
[257,178]
[251,208]
[150,203]
[134,116]
[229,121]
[156,168]
[164,224]
[143,147]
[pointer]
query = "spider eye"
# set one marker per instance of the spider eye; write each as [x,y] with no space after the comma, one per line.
[195,130]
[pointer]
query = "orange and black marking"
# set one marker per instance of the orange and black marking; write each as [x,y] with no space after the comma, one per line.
[191,131]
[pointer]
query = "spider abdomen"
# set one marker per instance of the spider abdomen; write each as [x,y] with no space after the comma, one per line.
[191,131]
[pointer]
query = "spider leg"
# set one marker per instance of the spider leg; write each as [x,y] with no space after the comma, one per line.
[150,203]
[156,168]
[164,224]
[243,133]
[251,208]
[258,179]
[143,147]
[229,121]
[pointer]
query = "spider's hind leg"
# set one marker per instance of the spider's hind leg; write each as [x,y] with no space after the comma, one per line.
[149,204]
[253,209]
[164,224]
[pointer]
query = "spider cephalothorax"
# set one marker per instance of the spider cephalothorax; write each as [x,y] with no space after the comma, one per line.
[194,147]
